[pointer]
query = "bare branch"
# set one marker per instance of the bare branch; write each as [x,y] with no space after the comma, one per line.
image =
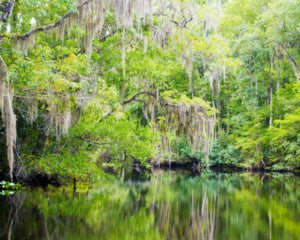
[181,25]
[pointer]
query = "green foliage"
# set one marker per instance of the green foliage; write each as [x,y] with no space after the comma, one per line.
[284,136]
[183,150]
[225,152]
[122,137]
[9,188]
[262,35]
[9,185]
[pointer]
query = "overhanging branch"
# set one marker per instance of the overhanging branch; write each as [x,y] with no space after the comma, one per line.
[162,102]
[49,26]
[134,98]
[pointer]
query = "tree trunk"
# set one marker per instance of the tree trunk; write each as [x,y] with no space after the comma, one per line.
[228,116]
[219,111]
[293,61]
[123,53]
[271,93]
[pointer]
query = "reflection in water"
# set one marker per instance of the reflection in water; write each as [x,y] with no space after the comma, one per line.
[15,203]
[158,205]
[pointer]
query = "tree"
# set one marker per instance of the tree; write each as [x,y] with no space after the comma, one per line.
[62,75]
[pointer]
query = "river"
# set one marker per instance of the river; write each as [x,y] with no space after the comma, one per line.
[158,204]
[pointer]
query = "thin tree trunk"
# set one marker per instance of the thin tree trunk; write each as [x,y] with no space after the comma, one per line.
[228,116]
[271,93]
[219,112]
[123,53]
[219,9]
[277,85]
[204,28]
[256,98]
[270,224]
[278,73]
[271,103]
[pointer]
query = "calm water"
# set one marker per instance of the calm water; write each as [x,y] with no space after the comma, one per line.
[158,205]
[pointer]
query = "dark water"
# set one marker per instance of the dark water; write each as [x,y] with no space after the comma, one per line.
[159,205]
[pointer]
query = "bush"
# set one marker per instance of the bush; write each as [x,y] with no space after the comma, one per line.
[183,150]
[223,152]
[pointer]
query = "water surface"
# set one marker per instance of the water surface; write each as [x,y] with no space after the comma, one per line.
[158,205]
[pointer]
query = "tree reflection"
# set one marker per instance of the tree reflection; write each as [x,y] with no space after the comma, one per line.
[162,206]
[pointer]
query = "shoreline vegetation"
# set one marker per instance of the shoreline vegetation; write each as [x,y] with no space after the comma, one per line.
[42,179]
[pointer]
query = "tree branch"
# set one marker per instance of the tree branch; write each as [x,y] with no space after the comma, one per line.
[91,141]
[162,102]
[7,10]
[108,114]
[134,98]
[181,25]
[49,26]
[294,63]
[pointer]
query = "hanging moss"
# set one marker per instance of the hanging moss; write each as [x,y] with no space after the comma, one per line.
[8,116]
[191,120]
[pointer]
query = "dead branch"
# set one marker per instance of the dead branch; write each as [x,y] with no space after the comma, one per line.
[181,25]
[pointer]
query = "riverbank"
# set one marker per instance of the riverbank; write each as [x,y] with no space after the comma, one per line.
[43,179]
